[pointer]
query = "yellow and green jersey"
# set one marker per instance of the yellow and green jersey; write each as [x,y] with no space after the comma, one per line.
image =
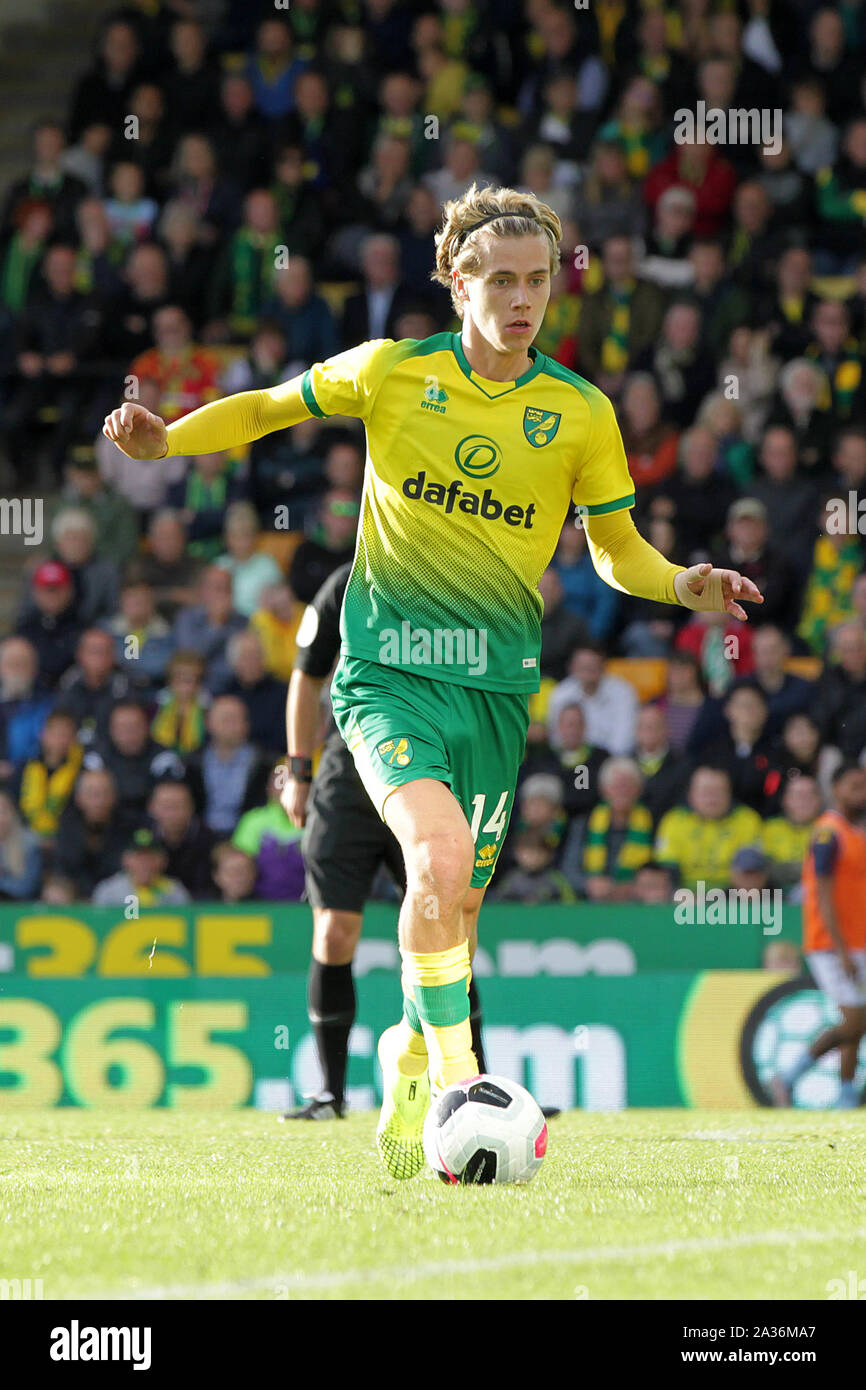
[467,485]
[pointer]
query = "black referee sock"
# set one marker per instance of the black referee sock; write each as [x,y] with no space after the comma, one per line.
[331,1009]
[475,1025]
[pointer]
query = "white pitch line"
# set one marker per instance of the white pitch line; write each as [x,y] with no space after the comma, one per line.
[606,1254]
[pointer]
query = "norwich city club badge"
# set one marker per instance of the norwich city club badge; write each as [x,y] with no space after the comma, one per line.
[540,426]
[396,752]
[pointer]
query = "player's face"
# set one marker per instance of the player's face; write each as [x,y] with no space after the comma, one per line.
[507,298]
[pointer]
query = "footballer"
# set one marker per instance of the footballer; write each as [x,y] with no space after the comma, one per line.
[477,445]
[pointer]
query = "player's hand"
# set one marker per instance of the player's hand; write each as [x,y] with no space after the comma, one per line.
[293,799]
[707,590]
[848,965]
[136,431]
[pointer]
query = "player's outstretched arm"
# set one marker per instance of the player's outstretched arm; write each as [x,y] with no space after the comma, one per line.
[224,424]
[627,562]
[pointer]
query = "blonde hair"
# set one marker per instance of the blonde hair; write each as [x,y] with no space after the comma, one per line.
[504,213]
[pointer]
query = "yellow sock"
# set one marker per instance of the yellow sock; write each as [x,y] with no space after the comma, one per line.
[439,982]
[412,1057]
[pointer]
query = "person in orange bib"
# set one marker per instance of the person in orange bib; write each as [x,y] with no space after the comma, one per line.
[834,931]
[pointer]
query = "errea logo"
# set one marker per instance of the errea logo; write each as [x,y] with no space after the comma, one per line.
[434,396]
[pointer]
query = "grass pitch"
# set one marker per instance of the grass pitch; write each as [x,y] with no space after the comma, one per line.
[637,1205]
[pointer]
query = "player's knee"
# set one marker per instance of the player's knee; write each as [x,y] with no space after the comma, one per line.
[335,936]
[440,865]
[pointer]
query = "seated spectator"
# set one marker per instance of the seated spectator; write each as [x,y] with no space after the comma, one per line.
[666,262]
[300,206]
[702,170]
[664,771]
[330,545]
[786,837]
[684,698]
[25,704]
[240,134]
[749,550]
[197,182]
[800,405]
[785,693]
[836,561]
[609,703]
[186,374]
[839,704]
[270,838]
[749,364]
[722,646]
[93,832]
[750,870]
[276,622]
[133,758]
[735,456]
[608,203]
[265,362]
[103,93]
[539,806]
[619,834]
[192,84]
[790,501]
[701,838]
[144,290]
[90,689]
[251,569]
[653,884]
[74,534]
[230,775]
[201,500]
[274,68]
[620,321]
[167,567]
[50,623]
[243,279]
[206,627]
[46,180]
[724,306]
[678,363]
[263,695]
[799,753]
[57,890]
[561,630]
[142,879]
[787,307]
[746,749]
[575,762]
[130,212]
[835,351]
[21,252]
[112,515]
[591,605]
[142,638]
[179,722]
[234,874]
[188,843]
[58,341]
[48,779]
[189,264]
[650,442]
[813,138]
[534,879]
[696,498]
[374,310]
[20,856]
[385,182]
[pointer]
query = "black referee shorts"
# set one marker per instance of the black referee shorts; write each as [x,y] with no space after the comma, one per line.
[344,841]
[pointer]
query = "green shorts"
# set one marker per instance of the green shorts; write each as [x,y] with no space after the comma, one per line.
[400,727]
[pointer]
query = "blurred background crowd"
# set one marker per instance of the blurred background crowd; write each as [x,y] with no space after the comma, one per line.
[240,190]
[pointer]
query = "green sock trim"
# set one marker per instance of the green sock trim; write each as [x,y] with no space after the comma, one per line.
[410,1013]
[441,1006]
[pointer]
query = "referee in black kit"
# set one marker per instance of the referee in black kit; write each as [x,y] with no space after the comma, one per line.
[344,844]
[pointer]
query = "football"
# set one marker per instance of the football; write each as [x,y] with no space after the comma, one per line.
[486,1129]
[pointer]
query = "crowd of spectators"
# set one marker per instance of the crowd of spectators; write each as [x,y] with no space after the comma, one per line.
[231,201]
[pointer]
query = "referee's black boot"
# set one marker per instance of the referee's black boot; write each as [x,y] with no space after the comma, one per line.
[321,1107]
